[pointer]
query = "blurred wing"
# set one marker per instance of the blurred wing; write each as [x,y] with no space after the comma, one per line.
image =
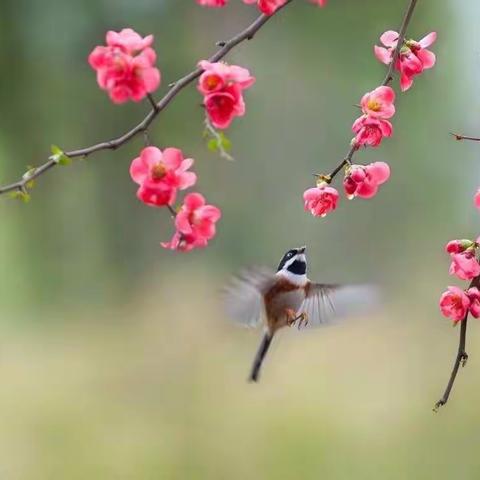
[243,297]
[327,304]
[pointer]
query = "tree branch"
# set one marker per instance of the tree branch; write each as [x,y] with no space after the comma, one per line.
[460,359]
[388,79]
[462,356]
[459,137]
[157,107]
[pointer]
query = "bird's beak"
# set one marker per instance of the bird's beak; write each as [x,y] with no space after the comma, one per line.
[302,249]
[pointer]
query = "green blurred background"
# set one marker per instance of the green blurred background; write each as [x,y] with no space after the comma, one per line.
[115,359]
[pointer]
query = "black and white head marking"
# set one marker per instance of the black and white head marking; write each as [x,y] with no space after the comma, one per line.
[294,266]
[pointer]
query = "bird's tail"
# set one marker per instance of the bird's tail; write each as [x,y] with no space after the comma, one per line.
[259,357]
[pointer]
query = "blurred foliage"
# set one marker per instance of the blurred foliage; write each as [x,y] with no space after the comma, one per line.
[115,359]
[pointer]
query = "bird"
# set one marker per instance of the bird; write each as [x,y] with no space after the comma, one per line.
[287,298]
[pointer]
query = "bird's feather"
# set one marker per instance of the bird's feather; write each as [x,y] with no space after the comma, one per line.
[326,304]
[243,297]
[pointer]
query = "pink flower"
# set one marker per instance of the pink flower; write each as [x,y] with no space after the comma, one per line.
[184,243]
[364,181]
[454,304]
[219,75]
[212,3]
[128,41]
[465,265]
[476,199]
[268,7]
[195,224]
[379,103]
[474,296]
[321,200]
[222,107]
[161,174]
[457,246]
[125,67]
[370,130]
[320,3]
[222,86]
[414,57]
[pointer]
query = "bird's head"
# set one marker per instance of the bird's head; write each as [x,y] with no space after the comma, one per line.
[293,266]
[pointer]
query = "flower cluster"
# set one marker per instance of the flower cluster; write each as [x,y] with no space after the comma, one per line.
[413,58]
[160,175]
[222,88]
[456,303]
[268,7]
[126,66]
[378,107]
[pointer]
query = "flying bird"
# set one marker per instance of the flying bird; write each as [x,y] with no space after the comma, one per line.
[289,298]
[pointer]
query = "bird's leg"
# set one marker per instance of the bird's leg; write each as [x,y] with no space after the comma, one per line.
[302,318]
[291,316]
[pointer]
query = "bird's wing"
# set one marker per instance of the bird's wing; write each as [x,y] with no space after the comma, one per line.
[325,304]
[243,297]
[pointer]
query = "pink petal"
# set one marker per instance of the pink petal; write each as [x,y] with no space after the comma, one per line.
[405,82]
[151,156]
[382,54]
[193,201]
[427,58]
[186,180]
[138,171]
[389,38]
[476,199]
[379,171]
[172,158]
[182,223]
[428,40]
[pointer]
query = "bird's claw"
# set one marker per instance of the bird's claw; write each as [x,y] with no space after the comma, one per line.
[292,318]
[302,319]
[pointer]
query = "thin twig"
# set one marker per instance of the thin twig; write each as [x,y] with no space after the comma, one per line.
[459,137]
[462,356]
[176,88]
[212,132]
[460,359]
[388,79]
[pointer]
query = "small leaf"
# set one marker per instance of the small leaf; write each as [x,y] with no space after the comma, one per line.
[24,196]
[212,145]
[58,156]
[225,142]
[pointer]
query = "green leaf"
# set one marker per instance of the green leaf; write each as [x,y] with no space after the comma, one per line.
[225,142]
[58,156]
[212,145]
[21,195]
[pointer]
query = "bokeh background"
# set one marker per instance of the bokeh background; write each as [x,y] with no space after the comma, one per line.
[116,361]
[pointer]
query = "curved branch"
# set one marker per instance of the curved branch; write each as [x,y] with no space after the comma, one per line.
[157,107]
[388,78]
[460,359]
[462,356]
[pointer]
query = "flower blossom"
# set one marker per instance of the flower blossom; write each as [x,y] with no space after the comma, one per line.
[379,103]
[364,181]
[473,295]
[413,58]
[125,67]
[454,304]
[320,200]
[161,174]
[465,265]
[222,88]
[476,199]
[268,7]
[195,224]
[212,3]
[370,130]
